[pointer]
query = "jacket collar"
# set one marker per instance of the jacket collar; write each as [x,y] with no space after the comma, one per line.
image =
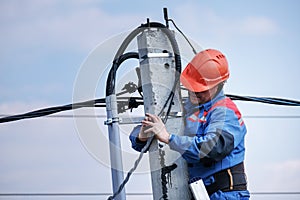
[208,104]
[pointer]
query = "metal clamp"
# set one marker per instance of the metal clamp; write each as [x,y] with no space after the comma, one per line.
[139,119]
[109,121]
[157,55]
[173,114]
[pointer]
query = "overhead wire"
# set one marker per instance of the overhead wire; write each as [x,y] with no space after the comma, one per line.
[268,100]
[15,194]
[188,41]
[101,103]
[59,116]
[56,109]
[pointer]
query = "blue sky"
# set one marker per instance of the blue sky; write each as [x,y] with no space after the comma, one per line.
[44,46]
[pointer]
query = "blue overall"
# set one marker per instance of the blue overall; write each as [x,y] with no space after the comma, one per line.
[213,140]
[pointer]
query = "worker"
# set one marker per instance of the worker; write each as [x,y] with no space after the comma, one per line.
[213,141]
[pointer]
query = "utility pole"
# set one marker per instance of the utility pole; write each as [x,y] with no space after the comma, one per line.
[157,65]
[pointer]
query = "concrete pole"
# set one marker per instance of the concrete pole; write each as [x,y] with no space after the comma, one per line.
[168,169]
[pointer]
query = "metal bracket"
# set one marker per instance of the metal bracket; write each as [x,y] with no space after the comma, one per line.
[173,114]
[139,119]
[109,121]
[157,55]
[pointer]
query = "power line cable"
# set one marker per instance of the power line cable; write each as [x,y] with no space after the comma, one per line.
[275,193]
[104,116]
[56,109]
[268,100]
[101,103]
[14,194]
[71,194]
[188,41]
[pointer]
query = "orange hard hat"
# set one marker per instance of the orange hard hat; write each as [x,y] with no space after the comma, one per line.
[206,70]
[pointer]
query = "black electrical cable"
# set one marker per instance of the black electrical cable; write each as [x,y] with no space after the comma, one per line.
[101,103]
[104,116]
[56,194]
[268,100]
[110,84]
[52,110]
[56,109]
[61,194]
[166,18]
[111,78]
[188,41]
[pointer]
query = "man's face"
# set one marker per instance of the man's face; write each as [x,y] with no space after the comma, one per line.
[202,97]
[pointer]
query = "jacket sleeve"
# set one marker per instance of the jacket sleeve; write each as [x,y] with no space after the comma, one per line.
[135,142]
[221,135]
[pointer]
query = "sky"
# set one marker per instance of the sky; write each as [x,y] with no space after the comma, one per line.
[51,49]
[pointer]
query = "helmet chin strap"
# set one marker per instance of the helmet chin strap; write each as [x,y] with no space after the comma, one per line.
[220,88]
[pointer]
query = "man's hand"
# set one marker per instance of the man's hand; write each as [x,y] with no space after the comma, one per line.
[154,124]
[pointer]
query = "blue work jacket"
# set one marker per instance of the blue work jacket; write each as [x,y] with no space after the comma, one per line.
[213,137]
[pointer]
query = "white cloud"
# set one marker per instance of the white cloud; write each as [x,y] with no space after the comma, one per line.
[258,25]
[284,172]
[57,24]
[205,23]
[280,176]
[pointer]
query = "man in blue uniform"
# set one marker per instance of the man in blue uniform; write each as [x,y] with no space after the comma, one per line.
[213,140]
